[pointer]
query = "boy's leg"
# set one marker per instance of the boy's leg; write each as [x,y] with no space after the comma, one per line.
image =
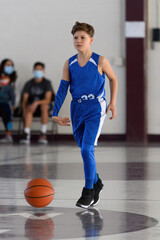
[91,134]
[44,121]
[89,142]
[28,119]
[87,152]
[44,113]
[27,127]
[27,124]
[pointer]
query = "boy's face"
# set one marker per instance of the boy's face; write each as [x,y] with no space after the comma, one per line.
[82,41]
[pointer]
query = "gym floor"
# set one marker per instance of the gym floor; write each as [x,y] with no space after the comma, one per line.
[130,202]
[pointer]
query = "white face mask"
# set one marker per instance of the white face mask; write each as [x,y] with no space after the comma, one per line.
[38,74]
[8,69]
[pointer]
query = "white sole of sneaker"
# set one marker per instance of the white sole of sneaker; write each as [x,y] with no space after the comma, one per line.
[84,206]
[24,143]
[42,142]
[93,205]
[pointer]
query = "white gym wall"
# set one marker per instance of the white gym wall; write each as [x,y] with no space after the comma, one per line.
[39,30]
[153,70]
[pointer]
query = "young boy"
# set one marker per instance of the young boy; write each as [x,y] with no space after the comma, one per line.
[85,73]
[37,94]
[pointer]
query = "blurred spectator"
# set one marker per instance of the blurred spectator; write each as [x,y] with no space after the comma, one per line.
[7,102]
[7,69]
[36,97]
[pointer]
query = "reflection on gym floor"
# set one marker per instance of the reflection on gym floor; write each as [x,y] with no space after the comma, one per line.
[130,201]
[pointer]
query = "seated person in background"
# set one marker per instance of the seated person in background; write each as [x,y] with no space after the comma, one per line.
[7,102]
[7,68]
[36,96]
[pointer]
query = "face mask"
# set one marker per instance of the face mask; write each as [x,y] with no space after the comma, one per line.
[8,69]
[38,74]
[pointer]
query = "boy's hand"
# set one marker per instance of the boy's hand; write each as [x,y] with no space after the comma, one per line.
[112,108]
[62,121]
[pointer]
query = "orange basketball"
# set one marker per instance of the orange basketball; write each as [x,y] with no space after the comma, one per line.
[39,192]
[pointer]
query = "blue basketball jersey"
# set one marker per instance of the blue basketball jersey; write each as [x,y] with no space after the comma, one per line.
[88,106]
[86,82]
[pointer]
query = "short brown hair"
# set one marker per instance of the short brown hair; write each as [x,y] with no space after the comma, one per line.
[83,27]
[39,64]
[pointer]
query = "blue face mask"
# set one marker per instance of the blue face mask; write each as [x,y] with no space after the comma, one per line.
[38,74]
[8,69]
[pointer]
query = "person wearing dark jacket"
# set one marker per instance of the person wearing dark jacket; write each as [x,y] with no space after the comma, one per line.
[7,102]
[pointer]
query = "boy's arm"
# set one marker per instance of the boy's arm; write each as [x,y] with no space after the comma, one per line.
[65,74]
[106,68]
[60,97]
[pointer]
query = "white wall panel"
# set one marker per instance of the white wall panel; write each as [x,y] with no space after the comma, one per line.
[153,70]
[39,30]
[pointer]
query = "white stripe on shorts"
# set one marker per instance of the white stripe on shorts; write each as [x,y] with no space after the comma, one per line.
[103,116]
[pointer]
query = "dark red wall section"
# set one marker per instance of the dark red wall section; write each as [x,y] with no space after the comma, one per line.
[135,77]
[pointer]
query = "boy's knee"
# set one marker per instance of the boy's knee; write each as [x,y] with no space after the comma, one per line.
[84,151]
[28,110]
[87,149]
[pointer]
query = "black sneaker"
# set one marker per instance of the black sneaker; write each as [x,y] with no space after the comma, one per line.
[25,139]
[86,199]
[98,189]
[6,139]
[42,139]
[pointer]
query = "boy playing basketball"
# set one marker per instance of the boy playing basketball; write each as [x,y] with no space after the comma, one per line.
[85,74]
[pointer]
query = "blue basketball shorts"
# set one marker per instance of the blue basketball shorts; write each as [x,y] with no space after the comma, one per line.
[87,119]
